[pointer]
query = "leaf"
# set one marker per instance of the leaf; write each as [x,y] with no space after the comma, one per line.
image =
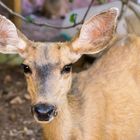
[73,18]
[29,19]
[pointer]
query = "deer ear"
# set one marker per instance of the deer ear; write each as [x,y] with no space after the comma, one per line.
[11,40]
[96,33]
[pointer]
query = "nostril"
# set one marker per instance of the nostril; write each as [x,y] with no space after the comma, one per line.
[44,112]
[44,109]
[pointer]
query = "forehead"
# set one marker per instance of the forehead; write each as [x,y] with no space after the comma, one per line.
[49,53]
[43,53]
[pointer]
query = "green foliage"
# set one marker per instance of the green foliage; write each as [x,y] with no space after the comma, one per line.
[10,59]
[73,18]
[29,19]
[102,1]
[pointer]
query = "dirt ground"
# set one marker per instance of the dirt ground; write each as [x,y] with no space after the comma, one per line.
[16,121]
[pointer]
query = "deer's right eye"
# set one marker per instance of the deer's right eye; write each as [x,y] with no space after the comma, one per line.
[26,69]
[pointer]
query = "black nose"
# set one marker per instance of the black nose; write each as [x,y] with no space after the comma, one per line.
[44,112]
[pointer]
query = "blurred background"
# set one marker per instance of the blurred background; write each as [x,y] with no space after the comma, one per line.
[16,121]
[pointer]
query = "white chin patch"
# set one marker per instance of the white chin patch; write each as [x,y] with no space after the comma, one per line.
[51,119]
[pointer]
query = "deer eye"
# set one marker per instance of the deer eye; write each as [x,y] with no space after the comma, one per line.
[66,68]
[26,69]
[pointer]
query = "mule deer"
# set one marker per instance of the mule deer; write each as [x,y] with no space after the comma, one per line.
[101,103]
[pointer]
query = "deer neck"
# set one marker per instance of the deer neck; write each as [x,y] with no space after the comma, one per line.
[63,126]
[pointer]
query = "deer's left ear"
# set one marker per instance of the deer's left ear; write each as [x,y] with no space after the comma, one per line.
[96,33]
[12,41]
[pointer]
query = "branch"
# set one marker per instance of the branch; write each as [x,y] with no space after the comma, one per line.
[46,24]
[84,17]
[124,3]
[135,12]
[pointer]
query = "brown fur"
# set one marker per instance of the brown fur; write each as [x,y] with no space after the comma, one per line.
[101,103]
[105,100]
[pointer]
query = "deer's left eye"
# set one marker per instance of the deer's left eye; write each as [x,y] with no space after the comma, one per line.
[26,69]
[67,68]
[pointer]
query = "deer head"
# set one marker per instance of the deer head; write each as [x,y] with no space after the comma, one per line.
[48,66]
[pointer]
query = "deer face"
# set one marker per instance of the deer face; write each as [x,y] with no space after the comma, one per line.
[48,73]
[48,66]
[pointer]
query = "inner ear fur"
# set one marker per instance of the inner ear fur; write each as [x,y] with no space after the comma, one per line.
[11,39]
[96,33]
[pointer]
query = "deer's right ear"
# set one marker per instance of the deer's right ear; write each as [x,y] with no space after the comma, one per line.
[96,33]
[11,40]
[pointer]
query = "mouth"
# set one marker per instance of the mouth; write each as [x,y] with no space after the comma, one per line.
[45,121]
